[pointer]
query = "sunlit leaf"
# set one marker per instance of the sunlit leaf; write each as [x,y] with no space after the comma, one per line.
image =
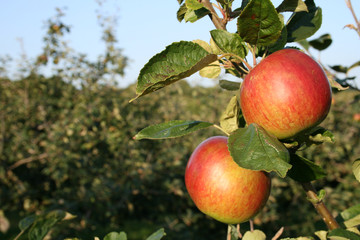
[116,236]
[177,61]
[259,23]
[171,129]
[356,169]
[254,235]
[322,235]
[292,6]
[253,148]
[194,15]
[193,4]
[211,71]
[229,42]
[351,216]
[159,234]
[180,14]
[229,120]
[320,135]
[204,45]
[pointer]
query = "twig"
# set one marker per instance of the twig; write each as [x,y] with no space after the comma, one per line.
[28,160]
[320,206]
[357,22]
[219,24]
[278,234]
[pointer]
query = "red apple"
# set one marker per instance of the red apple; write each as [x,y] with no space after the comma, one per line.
[222,189]
[356,117]
[286,93]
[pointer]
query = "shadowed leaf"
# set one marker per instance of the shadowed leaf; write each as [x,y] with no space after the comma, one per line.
[253,148]
[171,129]
[304,170]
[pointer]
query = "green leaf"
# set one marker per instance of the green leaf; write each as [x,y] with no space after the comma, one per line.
[211,71]
[351,216]
[357,64]
[304,170]
[292,6]
[194,15]
[159,234]
[259,23]
[171,129]
[320,135]
[278,45]
[321,234]
[356,169]
[177,61]
[302,25]
[351,212]
[234,233]
[339,233]
[298,238]
[204,45]
[339,68]
[180,14]
[229,120]
[229,42]
[116,236]
[44,223]
[25,223]
[193,4]
[229,85]
[254,235]
[321,43]
[253,148]
[304,43]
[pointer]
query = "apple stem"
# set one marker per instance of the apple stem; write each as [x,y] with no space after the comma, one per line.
[221,129]
[319,205]
[228,233]
[238,230]
[251,225]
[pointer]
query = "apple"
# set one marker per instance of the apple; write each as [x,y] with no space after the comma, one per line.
[287,93]
[222,189]
[356,117]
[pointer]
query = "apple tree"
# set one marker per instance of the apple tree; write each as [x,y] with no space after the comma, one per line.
[281,97]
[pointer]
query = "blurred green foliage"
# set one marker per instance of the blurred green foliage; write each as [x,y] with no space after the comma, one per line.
[66,142]
[67,148]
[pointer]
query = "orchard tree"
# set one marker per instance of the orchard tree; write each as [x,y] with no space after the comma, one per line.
[275,112]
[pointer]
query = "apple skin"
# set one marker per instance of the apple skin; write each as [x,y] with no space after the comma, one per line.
[286,93]
[222,189]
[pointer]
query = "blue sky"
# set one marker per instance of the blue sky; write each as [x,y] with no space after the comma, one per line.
[146,27]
